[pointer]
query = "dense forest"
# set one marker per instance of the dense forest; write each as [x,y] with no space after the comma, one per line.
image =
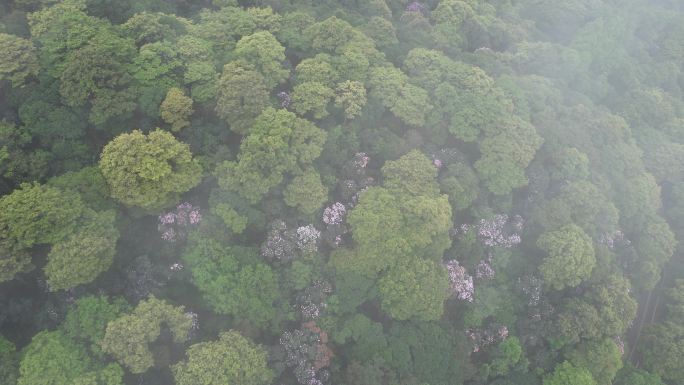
[348,192]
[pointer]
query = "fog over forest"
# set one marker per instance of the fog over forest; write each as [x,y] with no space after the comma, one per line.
[341,192]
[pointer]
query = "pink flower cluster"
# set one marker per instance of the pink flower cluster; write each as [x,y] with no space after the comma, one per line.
[415,6]
[361,160]
[615,239]
[461,284]
[484,269]
[307,238]
[175,224]
[490,335]
[495,232]
[437,163]
[334,214]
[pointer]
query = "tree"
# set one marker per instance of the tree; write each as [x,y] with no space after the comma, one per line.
[97,74]
[266,54]
[8,361]
[127,337]
[18,59]
[278,142]
[231,360]
[53,359]
[88,317]
[602,358]
[350,95]
[176,109]
[148,171]
[312,97]
[629,375]
[82,256]
[38,214]
[570,257]
[412,174]
[306,192]
[414,289]
[568,374]
[506,154]
[233,280]
[242,95]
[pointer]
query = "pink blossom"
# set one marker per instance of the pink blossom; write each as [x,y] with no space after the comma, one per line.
[484,269]
[461,284]
[334,214]
[167,219]
[307,238]
[195,217]
[437,163]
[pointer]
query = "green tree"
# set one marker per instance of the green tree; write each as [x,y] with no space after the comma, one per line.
[82,256]
[97,74]
[148,171]
[306,192]
[38,214]
[602,358]
[266,54]
[570,257]
[233,280]
[278,142]
[18,59]
[350,95]
[414,289]
[629,375]
[242,95]
[231,360]
[312,97]
[127,338]
[88,317]
[9,368]
[506,154]
[53,359]
[176,109]
[568,374]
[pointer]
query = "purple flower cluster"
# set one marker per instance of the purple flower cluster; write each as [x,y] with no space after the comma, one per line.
[437,163]
[483,338]
[175,224]
[415,6]
[460,283]
[334,214]
[285,99]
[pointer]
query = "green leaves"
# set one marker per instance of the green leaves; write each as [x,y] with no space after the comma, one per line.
[233,280]
[231,360]
[570,257]
[148,171]
[127,338]
[18,59]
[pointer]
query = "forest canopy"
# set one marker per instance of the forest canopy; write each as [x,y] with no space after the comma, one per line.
[341,192]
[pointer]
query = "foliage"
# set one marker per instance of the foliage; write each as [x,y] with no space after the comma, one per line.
[232,359]
[233,281]
[53,359]
[127,337]
[176,109]
[570,257]
[148,171]
[19,59]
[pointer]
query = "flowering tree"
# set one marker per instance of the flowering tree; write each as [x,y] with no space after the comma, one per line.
[307,353]
[461,284]
[175,225]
